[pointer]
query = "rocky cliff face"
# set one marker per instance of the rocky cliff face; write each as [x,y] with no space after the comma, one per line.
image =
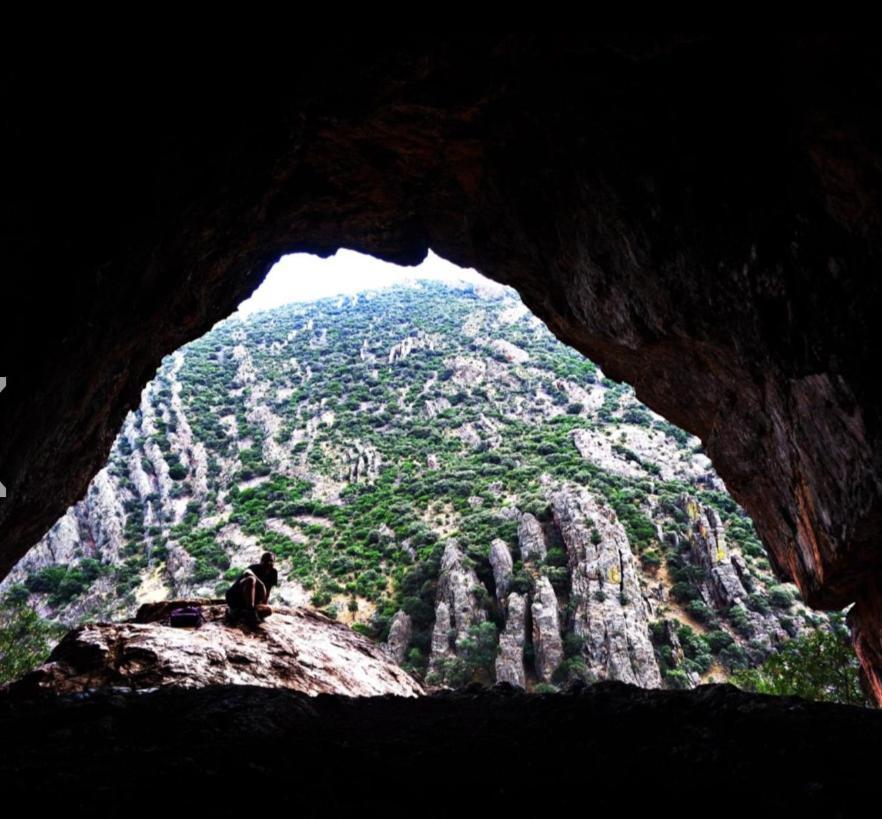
[472,494]
[510,660]
[609,614]
[547,645]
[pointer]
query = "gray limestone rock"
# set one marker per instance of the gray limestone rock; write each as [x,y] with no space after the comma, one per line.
[364,462]
[673,640]
[531,538]
[500,560]
[510,660]
[457,604]
[547,642]
[707,541]
[441,646]
[400,632]
[610,613]
[458,586]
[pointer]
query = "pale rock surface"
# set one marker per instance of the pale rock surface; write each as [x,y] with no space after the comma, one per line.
[510,660]
[547,642]
[501,562]
[295,648]
[531,538]
[400,632]
[509,351]
[610,614]
[467,370]
[457,607]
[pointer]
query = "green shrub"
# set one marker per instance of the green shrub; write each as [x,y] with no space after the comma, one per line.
[25,638]
[781,597]
[571,670]
[739,618]
[676,678]
[650,560]
[478,651]
[758,603]
[320,599]
[734,657]
[684,592]
[718,640]
[819,666]
[572,644]
[699,610]
[450,671]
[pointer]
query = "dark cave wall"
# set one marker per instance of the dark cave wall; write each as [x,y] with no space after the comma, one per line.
[701,216]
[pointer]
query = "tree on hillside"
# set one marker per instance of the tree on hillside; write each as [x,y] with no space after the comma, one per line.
[819,666]
[25,638]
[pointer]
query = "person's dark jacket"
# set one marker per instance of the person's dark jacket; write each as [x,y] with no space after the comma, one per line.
[269,577]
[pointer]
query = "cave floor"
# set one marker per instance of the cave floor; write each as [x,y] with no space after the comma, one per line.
[603,747]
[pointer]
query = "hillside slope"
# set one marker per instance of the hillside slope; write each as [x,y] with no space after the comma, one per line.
[430,465]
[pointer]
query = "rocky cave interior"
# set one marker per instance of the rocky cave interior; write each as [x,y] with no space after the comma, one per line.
[698,214]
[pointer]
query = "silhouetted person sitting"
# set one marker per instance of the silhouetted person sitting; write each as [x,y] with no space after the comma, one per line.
[247,597]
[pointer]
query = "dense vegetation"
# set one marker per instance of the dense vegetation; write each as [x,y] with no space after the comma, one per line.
[25,638]
[820,665]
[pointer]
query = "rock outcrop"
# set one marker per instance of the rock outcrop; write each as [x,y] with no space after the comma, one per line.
[510,660]
[547,643]
[610,615]
[501,562]
[467,370]
[509,351]
[400,633]
[406,346]
[363,462]
[671,639]
[436,405]
[725,573]
[441,635]
[531,539]
[708,542]
[295,648]
[457,592]
[594,447]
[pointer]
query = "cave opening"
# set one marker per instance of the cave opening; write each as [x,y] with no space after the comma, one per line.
[701,224]
[432,468]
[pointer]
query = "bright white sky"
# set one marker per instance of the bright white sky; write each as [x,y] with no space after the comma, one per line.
[303,277]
